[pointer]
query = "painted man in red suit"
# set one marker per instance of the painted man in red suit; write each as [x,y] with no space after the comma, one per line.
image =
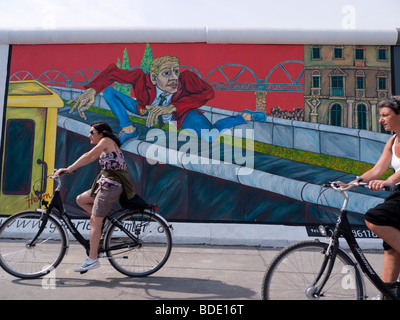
[164,95]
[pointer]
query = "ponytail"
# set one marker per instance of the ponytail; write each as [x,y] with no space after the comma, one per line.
[105,129]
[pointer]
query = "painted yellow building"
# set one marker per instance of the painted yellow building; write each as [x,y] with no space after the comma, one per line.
[30,133]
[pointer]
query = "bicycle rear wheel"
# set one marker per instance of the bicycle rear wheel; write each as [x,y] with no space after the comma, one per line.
[146,255]
[23,260]
[292,273]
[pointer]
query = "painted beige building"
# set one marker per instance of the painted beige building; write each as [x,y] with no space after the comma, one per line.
[344,83]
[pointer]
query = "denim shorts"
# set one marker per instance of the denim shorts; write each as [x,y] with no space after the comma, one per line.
[105,198]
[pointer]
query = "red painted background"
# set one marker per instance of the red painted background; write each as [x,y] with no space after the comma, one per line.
[204,57]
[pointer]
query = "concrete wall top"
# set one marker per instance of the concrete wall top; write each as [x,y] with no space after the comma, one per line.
[200,34]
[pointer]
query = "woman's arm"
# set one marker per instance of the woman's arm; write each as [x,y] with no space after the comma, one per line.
[87,157]
[382,165]
[378,169]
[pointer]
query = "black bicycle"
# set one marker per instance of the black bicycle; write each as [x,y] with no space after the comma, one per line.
[317,270]
[136,240]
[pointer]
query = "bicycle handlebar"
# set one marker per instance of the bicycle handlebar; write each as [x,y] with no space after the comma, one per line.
[342,190]
[58,178]
[335,186]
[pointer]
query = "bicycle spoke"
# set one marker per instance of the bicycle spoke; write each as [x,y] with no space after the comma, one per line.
[152,250]
[292,274]
[20,259]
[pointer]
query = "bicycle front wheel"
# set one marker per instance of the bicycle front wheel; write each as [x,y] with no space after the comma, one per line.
[24,259]
[140,245]
[293,273]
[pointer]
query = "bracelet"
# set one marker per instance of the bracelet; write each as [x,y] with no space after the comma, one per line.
[359,179]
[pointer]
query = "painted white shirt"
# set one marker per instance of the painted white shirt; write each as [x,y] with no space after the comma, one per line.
[166,117]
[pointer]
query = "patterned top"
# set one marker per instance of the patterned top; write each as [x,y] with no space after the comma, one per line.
[111,161]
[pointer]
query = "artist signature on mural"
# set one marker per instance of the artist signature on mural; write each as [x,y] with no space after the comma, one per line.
[31,199]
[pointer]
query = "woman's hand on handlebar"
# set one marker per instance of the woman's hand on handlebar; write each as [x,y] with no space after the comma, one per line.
[343,185]
[61,172]
[350,185]
[376,185]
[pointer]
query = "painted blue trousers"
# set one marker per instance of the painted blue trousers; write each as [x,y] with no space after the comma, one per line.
[194,120]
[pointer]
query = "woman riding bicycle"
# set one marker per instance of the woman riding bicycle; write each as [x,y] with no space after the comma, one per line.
[384,219]
[107,188]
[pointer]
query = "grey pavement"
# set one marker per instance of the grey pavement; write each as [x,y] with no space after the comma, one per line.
[191,273]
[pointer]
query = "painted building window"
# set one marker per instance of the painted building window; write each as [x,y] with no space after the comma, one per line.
[315,79]
[337,86]
[338,52]
[359,53]
[382,53]
[336,115]
[382,82]
[315,53]
[315,82]
[18,156]
[362,116]
[360,80]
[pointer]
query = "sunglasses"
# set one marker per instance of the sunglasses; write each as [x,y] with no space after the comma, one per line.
[92,132]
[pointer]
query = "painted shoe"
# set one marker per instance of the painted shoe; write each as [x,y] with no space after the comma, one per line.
[256,115]
[88,264]
[123,136]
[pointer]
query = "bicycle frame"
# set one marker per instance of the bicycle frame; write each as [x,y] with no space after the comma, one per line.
[343,228]
[56,203]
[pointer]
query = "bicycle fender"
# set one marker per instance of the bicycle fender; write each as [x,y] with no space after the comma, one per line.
[160,217]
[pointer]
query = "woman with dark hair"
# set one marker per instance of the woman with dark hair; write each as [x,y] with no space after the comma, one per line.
[384,219]
[112,181]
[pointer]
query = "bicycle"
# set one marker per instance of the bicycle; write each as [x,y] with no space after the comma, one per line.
[318,270]
[136,240]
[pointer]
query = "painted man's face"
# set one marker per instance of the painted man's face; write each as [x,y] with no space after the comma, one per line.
[167,77]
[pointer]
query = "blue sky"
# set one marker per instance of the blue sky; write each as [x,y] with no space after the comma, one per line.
[53,14]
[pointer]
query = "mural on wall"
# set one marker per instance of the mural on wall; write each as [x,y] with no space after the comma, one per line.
[208,100]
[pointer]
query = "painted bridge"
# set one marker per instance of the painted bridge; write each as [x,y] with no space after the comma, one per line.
[294,82]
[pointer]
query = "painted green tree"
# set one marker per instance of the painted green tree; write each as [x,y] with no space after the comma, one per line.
[144,64]
[125,60]
[147,59]
[123,88]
